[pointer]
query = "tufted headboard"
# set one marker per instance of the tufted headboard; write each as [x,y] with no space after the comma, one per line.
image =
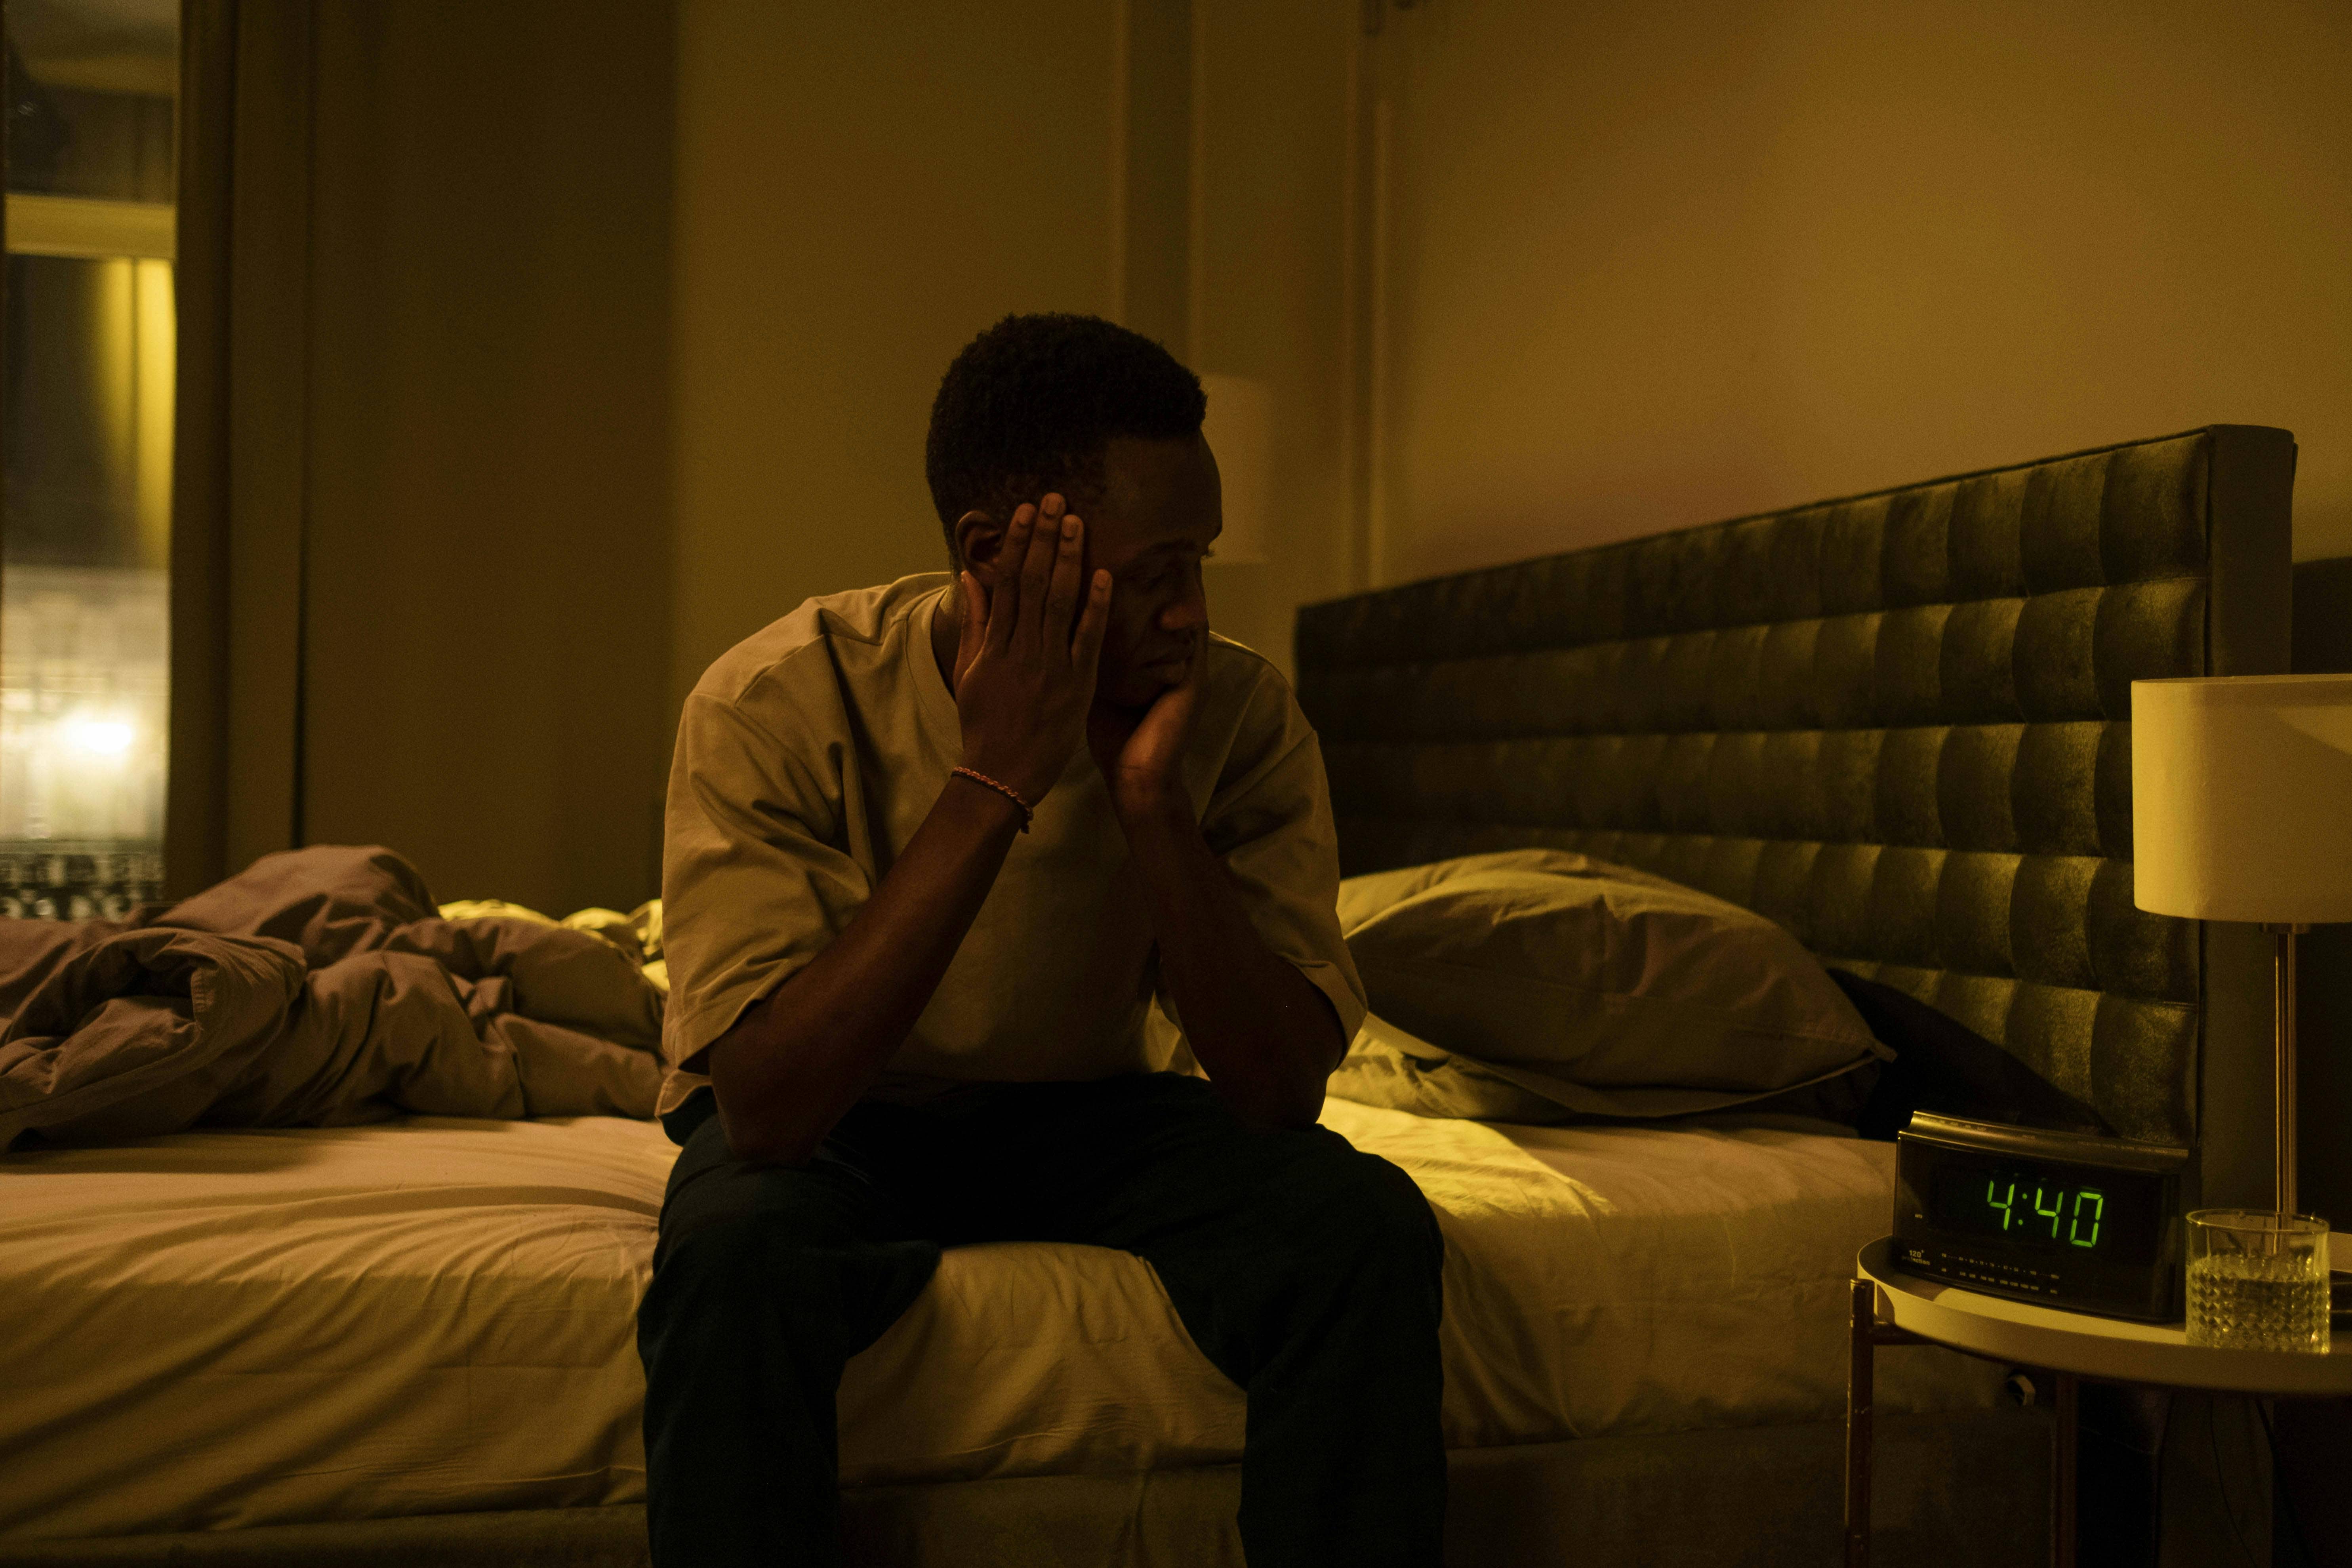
[1900,725]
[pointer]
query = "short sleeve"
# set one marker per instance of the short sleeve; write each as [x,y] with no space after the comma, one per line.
[754,881]
[1269,819]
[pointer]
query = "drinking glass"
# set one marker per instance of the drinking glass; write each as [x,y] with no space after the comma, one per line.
[2258,1281]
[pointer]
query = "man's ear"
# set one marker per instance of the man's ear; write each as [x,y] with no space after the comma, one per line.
[980,538]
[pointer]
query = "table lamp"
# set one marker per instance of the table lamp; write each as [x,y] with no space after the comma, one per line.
[2242,810]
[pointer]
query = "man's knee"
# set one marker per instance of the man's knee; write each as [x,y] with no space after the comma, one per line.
[1368,1211]
[763,1274]
[711,1191]
[715,1266]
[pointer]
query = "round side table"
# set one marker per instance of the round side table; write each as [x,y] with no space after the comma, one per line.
[1892,1308]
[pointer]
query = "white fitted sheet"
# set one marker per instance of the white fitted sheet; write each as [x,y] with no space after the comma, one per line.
[219,1330]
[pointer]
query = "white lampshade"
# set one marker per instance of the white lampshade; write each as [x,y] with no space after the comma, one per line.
[1240,429]
[2241,798]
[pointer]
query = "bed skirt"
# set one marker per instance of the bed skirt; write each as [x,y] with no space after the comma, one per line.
[1966,1488]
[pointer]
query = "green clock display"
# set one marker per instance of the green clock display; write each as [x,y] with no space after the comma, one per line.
[2081,1220]
[2024,1206]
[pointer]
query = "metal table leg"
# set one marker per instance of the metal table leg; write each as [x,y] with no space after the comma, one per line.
[1868,1334]
[1860,1352]
[2062,1472]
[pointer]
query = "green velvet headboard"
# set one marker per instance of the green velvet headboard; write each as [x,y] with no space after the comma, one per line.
[1897,723]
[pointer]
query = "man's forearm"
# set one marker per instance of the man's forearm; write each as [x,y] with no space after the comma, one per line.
[798,1060]
[1266,1034]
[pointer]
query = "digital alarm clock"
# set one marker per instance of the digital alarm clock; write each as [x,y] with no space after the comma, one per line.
[2068,1219]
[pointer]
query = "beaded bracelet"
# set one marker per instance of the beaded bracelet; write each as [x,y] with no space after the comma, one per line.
[1026,813]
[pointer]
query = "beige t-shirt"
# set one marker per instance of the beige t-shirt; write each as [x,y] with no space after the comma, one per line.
[811,752]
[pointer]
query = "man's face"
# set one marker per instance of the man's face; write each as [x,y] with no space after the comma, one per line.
[1159,511]
[1156,518]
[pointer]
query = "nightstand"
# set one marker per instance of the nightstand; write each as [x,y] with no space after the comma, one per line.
[1892,1308]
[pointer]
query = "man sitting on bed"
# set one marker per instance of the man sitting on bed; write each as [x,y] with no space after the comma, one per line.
[931,848]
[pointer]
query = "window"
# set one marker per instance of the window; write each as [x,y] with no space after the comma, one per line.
[85,514]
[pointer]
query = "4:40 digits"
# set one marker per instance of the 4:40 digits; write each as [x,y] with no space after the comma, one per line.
[2050,1205]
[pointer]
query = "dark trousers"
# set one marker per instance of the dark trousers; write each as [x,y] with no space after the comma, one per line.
[1307,1271]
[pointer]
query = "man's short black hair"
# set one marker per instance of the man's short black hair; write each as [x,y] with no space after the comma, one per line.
[1028,406]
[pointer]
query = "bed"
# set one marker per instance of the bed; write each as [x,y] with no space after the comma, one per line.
[1895,723]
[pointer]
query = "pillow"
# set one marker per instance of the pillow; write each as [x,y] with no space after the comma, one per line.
[1537,985]
[1942,1065]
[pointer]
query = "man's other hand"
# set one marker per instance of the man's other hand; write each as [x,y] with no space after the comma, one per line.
[1141,751]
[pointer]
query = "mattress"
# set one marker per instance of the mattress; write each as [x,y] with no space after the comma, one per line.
[220,1330]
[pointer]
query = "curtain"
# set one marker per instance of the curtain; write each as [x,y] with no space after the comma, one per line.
[239,454]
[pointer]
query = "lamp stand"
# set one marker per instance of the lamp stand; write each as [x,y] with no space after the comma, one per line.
[2282,1039]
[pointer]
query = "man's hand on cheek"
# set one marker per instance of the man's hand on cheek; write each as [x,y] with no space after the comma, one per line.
[1140,750]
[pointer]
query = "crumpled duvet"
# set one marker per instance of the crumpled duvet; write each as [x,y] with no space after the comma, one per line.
[321,988]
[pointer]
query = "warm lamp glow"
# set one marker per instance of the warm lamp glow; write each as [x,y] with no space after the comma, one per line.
[2242,810]
[2241,798]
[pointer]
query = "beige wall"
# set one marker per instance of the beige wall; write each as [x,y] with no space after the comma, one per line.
[486,542]
[641,314]
[1268,283]
[860,190]
[1658,266]
[622,326]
